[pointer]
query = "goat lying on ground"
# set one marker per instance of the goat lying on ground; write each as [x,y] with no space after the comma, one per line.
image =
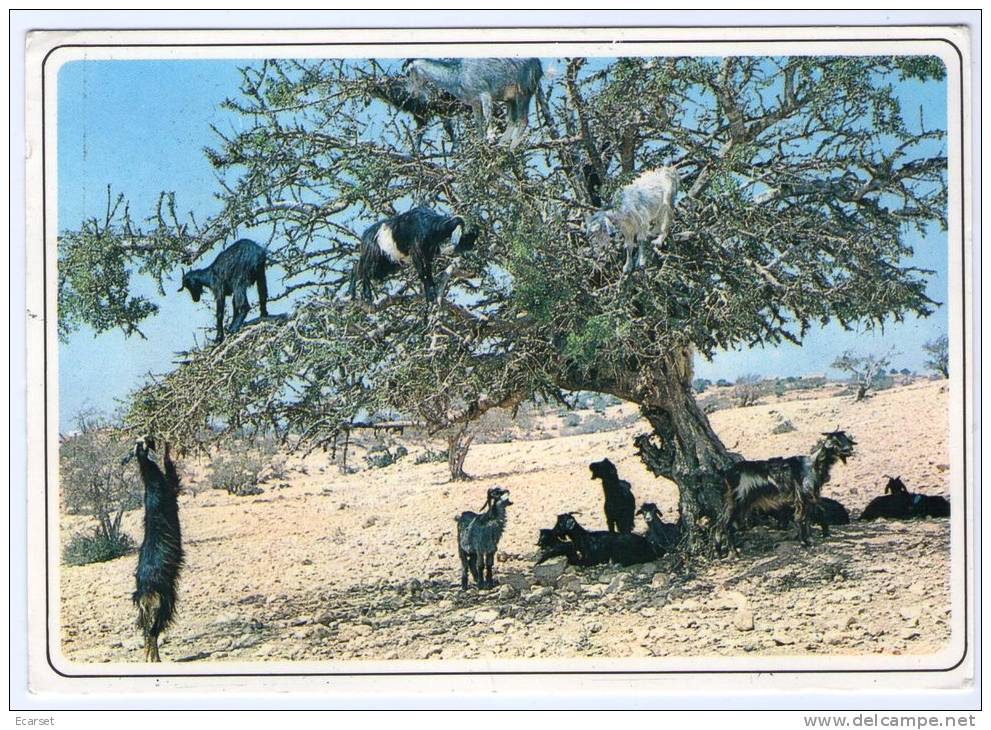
[662,536]
[900,504]
[161,557]
[552,545]
[231,273]
[795,481]
[595,548]
[619,503]
[478,538]
[832,513]
[480,81]
[642,212]
[417,236]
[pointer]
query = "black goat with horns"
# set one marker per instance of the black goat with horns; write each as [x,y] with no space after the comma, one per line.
[161,556]
[794,481]
[415,236]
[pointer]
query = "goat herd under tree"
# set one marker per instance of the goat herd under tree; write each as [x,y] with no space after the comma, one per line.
[754,198]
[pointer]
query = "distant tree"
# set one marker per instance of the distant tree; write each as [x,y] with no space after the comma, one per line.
[867,371]
[747,389]
[800,177]
[939,355]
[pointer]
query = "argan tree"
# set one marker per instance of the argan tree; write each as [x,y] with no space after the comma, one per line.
[938,350]
[866,371]
[799,179]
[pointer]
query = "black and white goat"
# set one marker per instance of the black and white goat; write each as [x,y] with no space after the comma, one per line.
[662,536]
[619,501]
[480,81]
[794,481]
[642,212]
[597,547]
[478,537]
[415,236]
[236,268]
[161,557]
[899,504]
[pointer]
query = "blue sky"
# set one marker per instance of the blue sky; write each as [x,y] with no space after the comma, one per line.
[141,126]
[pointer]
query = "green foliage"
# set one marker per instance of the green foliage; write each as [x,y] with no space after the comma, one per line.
[800,177]
[96,547]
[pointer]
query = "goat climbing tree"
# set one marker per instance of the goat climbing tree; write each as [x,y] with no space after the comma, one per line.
[799,176]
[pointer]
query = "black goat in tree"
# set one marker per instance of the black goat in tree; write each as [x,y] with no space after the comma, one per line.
[619,501]
[160,559]
[768,485]
[231,273]
[415,236]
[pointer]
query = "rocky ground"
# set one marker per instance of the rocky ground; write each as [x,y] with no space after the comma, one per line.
[331,566]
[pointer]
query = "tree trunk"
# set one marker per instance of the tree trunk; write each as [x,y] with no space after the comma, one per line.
[683,447]
[458,442]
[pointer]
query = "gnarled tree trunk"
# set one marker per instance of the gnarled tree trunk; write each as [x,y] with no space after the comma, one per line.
[683,447]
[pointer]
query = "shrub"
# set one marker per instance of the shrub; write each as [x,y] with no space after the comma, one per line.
[93,479]
[572,420]
[384,457]
[700,384]
[96,547]
[431,457]
[240,471]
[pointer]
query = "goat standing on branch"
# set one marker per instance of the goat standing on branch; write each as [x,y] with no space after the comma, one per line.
[769,485]
[480,81]
[160,558]
[416,236]
[231,273]
[642,212]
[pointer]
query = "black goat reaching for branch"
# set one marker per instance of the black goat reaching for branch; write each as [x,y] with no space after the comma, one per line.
[231,273]
[478,538]
[416,236]
[161,558]
[768,485]
[619,502]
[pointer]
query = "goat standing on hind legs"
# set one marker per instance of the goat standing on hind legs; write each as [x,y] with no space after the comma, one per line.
[160,558]
[795,481]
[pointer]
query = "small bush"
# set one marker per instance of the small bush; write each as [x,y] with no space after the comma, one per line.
[240,473]
[432,457]
[96,547]
[385,457]
[572,420]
